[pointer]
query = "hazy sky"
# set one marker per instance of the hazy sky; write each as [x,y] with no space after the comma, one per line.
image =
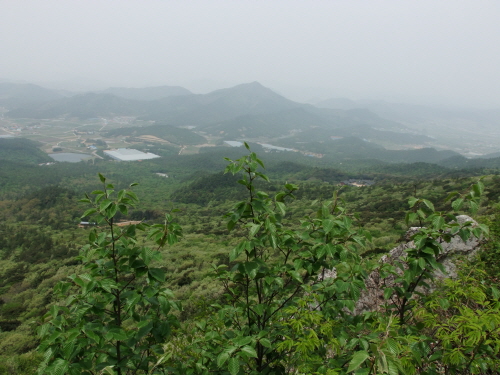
[394,49]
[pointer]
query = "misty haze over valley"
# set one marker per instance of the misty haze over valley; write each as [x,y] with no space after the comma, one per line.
[395,76]
[246,112]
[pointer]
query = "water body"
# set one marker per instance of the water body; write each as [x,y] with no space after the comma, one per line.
[70,157]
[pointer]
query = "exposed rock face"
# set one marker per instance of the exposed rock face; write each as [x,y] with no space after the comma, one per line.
[372,298]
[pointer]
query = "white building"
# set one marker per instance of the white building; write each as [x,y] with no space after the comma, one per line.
[129,154]
[234,143]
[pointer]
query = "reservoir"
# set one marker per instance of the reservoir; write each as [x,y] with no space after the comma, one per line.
[70,157]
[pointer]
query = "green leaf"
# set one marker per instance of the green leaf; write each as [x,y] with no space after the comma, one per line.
[435,357]
[131,301]
[254,228]
[327,225]
[438,222]
[105,204]
[233,254]
[116,334]
[234,366]
[357,360]
[222,358]
[89,212]
[474,206]
[60,366]
[102,178]
[393,346]
[464,234]
[495,292]
[272,239]
[107,285]
[388,293]
[451,195]
[412,201]
[132,195]
[111,211]
[444,303]
[295,275]
[157,273]
[477,190]
[143,331]
[108,370]
[428,204]
[123,209]
[164,304]
[263,176]
[92,335]
[281,207]
[249,351]
[481,187]
[436,265]
[457,204]
[421,263]
[251,269]
[410,217]
[265,342]
[392,367]
[321,251]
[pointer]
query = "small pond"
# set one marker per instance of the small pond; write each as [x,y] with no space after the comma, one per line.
[70,157]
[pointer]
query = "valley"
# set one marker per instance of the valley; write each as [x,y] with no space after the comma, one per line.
[92,122]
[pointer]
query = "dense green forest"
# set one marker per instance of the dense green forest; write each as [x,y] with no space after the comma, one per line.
[22,150]
[221,273]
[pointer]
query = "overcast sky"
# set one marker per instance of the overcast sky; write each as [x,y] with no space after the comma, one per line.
[424,50]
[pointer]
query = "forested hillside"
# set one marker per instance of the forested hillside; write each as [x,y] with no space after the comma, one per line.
[22,150]
[242,276]
[233,257]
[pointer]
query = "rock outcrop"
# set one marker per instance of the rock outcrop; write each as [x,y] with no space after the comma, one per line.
[372,298]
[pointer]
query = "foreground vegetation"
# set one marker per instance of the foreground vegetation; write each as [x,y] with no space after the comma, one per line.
[248,300]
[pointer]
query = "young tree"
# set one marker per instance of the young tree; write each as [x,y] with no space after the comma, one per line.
[274,268]
[116,315]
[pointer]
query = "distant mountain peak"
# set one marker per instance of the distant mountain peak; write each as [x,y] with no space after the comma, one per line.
[257,86]
[252,89]
[254,83]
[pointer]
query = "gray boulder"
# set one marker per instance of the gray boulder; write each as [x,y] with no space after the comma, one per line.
[372,298]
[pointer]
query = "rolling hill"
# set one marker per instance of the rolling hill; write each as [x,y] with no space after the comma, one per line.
[14,95]
[22,150]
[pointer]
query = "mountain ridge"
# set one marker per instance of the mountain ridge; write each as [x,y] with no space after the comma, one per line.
[147,93]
